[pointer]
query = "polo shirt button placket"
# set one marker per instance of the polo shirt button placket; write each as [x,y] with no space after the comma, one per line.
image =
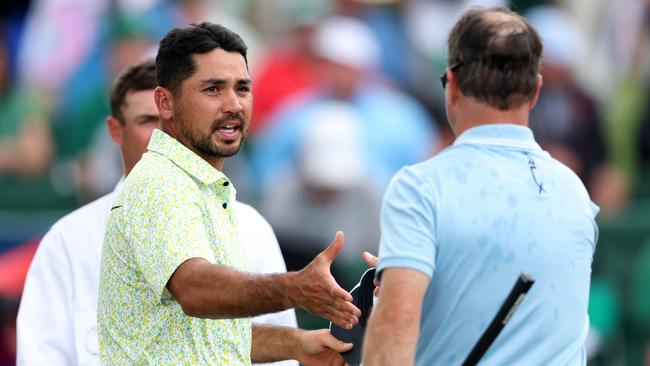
[225,204]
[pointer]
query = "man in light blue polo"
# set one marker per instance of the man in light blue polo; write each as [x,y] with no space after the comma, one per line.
[459,228]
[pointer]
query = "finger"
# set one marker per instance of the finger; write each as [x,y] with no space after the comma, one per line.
[345,306]
[343,317]
[329,341]
[340,294]
[340,320]
[334,248]
[349,309]
[370,259]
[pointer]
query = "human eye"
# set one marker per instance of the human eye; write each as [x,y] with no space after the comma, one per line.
[211,89]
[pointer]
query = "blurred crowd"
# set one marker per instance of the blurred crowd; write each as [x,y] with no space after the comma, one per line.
[346,93]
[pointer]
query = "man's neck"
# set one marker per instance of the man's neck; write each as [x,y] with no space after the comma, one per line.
[471,114]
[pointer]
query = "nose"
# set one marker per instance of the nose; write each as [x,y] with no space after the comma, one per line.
[231,103]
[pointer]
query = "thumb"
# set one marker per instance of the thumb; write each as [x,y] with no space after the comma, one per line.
[370,259]
[329,341]
[334,248]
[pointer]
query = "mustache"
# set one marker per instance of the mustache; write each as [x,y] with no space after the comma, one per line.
[229,117]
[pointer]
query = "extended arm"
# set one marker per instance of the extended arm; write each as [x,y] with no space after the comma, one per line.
[212,291]
[316,347]
[394,325]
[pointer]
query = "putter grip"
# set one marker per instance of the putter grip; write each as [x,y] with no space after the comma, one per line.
[516,296]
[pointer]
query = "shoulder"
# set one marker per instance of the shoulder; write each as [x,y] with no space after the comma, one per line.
[247,214]
[434,168]
[156,180]
[80,229]
[88,218]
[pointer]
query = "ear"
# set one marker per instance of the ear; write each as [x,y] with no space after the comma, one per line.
[538,89]
[115,130]
[164,102]
[452,88]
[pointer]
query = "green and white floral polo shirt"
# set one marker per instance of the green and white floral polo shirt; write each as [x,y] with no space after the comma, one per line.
[172,207]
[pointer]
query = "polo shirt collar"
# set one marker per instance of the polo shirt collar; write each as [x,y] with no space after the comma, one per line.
[184,158]
[506,134]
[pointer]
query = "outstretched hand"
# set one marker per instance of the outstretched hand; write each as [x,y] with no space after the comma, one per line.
[319,347]
[318,292]
[372,261]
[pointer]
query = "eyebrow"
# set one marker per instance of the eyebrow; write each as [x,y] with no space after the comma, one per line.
[146,117]
[213,81]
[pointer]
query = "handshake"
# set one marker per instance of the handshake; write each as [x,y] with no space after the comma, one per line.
[315,290]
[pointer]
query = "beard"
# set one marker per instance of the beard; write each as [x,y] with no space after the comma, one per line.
[203,143]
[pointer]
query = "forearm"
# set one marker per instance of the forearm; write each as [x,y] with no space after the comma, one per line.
[388,343]
[393,328]
[211,291]
[272,343]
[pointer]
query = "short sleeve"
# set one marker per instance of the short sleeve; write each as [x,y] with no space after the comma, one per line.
[407,225]
[167,231]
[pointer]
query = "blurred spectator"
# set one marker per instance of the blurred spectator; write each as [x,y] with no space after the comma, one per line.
[329,191]
[286,70]
[385,19]
[612,29]
[395,129]
[26,145]
[82,104]
[60,34]
[571,130]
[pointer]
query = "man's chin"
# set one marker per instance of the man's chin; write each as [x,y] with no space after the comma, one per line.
[228,149]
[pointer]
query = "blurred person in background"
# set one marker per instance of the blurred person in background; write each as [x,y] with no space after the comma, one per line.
[566,120]
[26,143]
[57,321]
[329,191]
[287,68]
[347,73]
[81,105]
[458,229]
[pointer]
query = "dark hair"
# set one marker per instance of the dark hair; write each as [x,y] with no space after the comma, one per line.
[499,56]
[138,77]
[174,61]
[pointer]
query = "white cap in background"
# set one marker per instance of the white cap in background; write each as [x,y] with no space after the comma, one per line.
[347,41]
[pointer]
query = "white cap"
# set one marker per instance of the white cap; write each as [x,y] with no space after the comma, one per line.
[564,43]
[347,41]
[332,152]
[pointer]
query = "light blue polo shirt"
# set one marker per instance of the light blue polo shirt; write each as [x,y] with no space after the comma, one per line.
[473,218]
